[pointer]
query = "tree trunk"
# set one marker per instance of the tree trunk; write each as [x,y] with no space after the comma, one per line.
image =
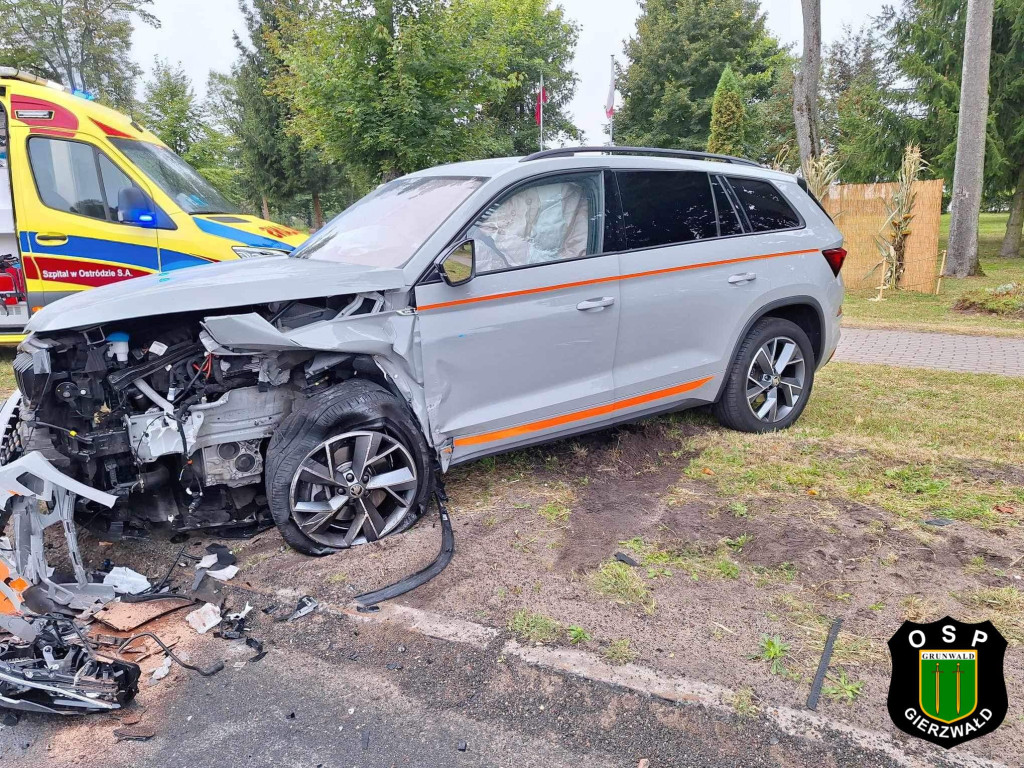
[1011,240]
[266,208]
[318,212]
[969,171]
[805,84]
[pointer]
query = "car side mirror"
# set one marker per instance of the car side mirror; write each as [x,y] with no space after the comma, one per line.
[459,266]
[133,207]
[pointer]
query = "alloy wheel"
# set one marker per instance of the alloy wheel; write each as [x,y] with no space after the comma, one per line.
[353,488]
[775,379]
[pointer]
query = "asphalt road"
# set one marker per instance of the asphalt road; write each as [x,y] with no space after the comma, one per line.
[336,692]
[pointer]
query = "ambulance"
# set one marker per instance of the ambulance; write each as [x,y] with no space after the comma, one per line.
[90,197]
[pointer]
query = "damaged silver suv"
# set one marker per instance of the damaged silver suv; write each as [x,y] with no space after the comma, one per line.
[452,313]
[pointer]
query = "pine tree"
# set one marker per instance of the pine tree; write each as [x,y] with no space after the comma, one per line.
[728,116]
[676,58]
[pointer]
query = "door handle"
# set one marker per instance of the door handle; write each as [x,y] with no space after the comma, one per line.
[744,277]
[51,238]
[591,304]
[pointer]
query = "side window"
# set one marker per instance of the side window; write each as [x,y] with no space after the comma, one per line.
[65,173]
[114,180]
[728,219]
[77,178]
[664,207]
[765,207]
[553,219]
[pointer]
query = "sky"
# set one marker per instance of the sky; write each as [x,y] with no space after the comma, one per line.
[198,34]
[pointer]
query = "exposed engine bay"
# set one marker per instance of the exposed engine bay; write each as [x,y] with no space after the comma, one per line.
[158,412]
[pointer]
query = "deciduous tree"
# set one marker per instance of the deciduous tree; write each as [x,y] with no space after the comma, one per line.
[170,108]
[85,44]
[969,172]
[415,84]
[805,85]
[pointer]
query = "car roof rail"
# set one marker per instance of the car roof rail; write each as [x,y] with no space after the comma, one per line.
[684,154]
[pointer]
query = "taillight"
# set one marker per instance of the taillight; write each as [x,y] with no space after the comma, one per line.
[835,258]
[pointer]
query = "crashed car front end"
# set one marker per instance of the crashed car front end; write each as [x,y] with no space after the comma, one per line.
[171,411]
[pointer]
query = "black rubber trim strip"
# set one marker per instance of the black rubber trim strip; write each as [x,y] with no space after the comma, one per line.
[121,379]
[369,599]
[826,656]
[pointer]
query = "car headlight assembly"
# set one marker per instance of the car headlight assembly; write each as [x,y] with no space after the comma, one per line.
[245,252]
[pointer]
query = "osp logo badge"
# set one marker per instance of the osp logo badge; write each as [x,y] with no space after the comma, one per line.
[947,680]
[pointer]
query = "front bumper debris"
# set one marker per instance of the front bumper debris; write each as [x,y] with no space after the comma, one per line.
[48,666]
[58,673]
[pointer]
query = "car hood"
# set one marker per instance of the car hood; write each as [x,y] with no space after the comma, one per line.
[214,286]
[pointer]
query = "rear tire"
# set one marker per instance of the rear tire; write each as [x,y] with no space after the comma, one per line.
[333,428]
[770,379]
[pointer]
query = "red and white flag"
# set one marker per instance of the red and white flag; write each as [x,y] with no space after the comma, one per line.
[609,104]
[542,99]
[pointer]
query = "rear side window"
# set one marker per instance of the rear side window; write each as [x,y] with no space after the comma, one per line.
[763,205]
[664,207]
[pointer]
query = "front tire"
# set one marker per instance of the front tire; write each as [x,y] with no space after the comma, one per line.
[348,467]
[770,379]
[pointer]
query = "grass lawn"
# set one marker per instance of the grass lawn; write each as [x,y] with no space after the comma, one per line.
[6,373]
[918,311]
[917,443]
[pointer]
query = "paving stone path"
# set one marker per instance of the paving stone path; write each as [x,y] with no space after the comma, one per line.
[949,352]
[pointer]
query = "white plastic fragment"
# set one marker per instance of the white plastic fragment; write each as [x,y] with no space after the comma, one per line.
[163,670]
[207,562]
[125,580]
[226,573]
[240,614]
[204,618]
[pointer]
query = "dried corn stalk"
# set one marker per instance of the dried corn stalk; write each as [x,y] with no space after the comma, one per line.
[821,173]
[891,239]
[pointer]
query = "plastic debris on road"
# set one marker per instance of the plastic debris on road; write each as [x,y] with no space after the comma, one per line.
[224,574]
[126,581]
[204,618]
[163,670]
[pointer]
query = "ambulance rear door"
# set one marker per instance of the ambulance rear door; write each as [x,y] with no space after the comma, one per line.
[13,299]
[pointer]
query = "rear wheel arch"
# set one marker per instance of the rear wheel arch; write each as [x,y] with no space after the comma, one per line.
[804,311]
[810,319]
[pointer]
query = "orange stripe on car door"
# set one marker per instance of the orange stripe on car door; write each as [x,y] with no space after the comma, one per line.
[560,286]
[589,413]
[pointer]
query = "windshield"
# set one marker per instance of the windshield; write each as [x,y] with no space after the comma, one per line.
[385,228]
[175,177]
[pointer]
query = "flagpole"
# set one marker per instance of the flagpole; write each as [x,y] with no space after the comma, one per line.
[611,120]
[540,101]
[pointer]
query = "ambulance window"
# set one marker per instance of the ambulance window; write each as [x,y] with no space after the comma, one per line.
[65,173]
[114,181]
